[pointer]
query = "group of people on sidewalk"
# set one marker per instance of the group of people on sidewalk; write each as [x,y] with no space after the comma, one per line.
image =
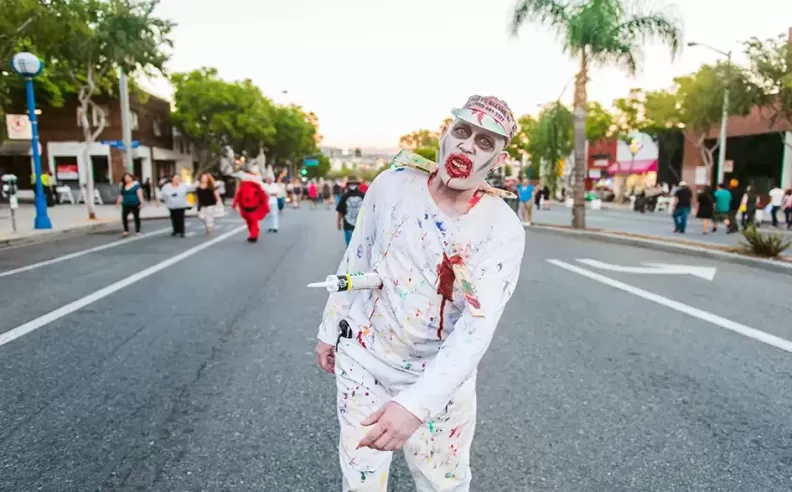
[174,194]
[724,205]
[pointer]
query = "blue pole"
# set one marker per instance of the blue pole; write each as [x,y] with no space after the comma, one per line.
[42,220]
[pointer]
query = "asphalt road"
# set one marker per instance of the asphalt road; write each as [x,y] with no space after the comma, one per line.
[650,223]
[199,374]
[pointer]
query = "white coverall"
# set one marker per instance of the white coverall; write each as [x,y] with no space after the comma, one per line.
[400,348]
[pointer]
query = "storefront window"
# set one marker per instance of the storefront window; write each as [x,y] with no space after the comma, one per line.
[100,165]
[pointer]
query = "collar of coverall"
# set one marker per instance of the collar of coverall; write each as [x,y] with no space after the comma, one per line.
[406,158]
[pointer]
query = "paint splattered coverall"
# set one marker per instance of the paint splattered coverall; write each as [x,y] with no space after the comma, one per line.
[401,348]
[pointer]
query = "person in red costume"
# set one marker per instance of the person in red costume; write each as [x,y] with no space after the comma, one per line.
[252,203]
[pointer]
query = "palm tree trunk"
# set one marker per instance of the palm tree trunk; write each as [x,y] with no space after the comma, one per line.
[579,186]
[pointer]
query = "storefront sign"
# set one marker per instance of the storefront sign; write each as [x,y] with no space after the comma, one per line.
[595,173]
[67,172]
[601,163]
[728,166]
[18,127]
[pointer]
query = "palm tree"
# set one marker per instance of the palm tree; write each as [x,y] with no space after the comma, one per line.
[599,32]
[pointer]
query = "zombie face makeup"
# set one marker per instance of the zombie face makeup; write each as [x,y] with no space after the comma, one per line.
[467,154]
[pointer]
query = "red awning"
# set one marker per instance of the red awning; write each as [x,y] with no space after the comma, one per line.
[633,167]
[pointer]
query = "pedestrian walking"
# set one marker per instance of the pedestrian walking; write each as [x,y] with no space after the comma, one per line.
[174,195]
[722,206]
[348,208]
[748,206]
[209,202]
[252,202]
[412,385]
[525,193]
[788,208]
[705,210]
[776,203]
[130,199]
[273,190]
[735,205]
[327,196]
[221,190]
[313,194]
[297,193]
[683,199]
[338,190]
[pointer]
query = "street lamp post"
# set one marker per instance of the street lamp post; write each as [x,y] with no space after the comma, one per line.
[28,65]
[724,114]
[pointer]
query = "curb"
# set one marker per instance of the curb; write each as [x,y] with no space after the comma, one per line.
[659,244]
[55,234]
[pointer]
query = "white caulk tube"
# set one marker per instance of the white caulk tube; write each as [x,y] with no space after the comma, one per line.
[345,283]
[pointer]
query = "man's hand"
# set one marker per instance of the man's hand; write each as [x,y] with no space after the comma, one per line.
[340,226]
[394,425]
[325,357]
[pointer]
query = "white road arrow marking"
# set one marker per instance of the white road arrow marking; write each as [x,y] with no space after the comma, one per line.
[707,273]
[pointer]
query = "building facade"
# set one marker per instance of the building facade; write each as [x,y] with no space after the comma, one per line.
[158,150]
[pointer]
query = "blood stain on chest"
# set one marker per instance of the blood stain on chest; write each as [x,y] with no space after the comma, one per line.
[445,286]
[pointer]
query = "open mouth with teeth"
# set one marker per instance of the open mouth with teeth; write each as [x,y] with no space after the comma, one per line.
[458,166]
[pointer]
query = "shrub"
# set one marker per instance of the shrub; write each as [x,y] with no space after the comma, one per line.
[764,244]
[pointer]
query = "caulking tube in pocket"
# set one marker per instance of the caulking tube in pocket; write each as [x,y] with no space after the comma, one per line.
[348,282]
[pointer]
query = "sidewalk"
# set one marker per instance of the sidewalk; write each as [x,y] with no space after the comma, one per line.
[66,219]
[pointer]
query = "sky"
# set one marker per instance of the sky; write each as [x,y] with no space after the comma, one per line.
[374,70]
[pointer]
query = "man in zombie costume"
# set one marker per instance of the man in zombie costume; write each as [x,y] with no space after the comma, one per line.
[252,202]
[448,252]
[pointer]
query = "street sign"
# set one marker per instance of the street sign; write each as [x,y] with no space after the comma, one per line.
[18,127]
[707,273]
[119,144]
[310,162]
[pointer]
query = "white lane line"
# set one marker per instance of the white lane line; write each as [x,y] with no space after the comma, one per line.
[62,311]
[728,324]
[190,234]
[77,254]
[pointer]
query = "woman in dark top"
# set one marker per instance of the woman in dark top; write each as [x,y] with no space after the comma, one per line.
[208,198]
[130,199]
[706,209]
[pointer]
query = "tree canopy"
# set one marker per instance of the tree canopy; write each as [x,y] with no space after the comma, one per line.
[215,114]
[420,138]
[771,71]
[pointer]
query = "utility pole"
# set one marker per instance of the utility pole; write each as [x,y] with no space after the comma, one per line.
[126,124]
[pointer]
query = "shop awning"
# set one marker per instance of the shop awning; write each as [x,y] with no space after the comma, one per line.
[633,167]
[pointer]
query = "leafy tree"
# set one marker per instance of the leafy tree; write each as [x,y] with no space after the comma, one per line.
[519,145]
[771,70]
[699,104]
[595,31]
[214,114]
[109,35]
[420,138]
[427,152]
[552,140]
[47,29]
[599,122]
[662,118]
[629,115]
[295,136]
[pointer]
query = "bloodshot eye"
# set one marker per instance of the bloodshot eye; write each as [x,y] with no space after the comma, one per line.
[462,131]
[485,143]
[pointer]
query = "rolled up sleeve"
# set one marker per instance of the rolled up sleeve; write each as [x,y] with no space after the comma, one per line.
[356,259]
